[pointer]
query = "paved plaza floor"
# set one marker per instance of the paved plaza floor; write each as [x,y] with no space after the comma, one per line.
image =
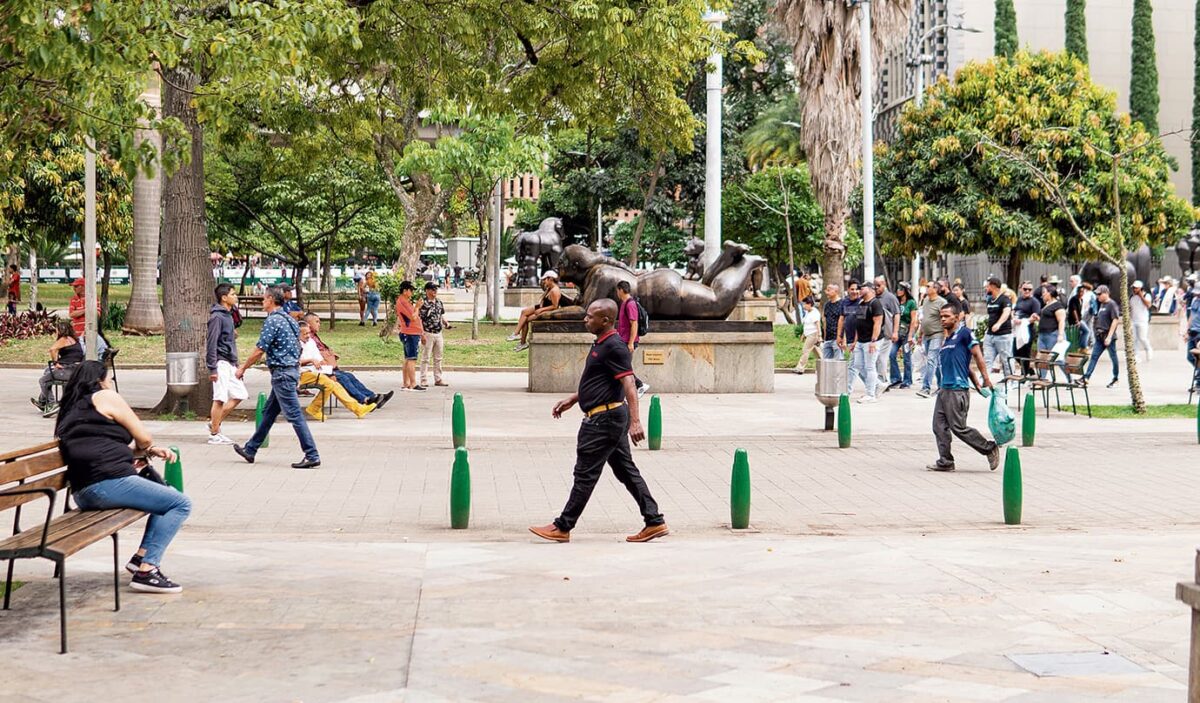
[865,578]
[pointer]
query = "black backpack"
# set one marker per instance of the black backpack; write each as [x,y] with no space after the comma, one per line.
[643,318]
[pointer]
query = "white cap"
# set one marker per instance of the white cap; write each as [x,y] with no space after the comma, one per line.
[1137,284]
[550,274]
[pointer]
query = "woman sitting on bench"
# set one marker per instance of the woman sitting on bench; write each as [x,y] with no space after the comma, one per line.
[65,354]
[95,429]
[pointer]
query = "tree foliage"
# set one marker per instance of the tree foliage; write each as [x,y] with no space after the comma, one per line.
[942,190]
[661,244]
[1076,23]
[1006,42]
[1143,75]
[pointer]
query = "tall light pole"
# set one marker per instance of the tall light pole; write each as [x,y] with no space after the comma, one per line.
[712,148]
[922,60]
[866,68]
[89,247]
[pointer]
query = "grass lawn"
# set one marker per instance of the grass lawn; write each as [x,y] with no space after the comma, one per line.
[1113,412]
[55,296]
[15,586]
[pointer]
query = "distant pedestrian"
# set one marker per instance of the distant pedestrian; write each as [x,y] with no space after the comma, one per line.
[1108,318]
[1076,309]
[1025,315]
[1140,304]
[891,309]
[811,324]
[831,317]
[14,288]
[629,326]
[930,336]
[458,275]
[609,402]
[360,290]
[1193,321]
[1051,324]
[221,358]
[958,351]
[997,341]
[848,322]
[410,334]
[279,342]
[864,352]
[904,332]
[433,345]
[371,282]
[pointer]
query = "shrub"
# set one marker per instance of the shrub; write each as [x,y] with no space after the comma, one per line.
[113,317]
[26,325]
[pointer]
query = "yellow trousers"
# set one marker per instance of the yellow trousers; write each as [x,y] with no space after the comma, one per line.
[327,386]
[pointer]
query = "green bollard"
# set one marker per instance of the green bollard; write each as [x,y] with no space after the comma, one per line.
[843,420]
[258,413]
[655,433]
[1028,421]
[458,422]
[173,473]
[460,490]
[1012,486]
[739,491]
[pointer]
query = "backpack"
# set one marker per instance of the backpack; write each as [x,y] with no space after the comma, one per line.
[643,317]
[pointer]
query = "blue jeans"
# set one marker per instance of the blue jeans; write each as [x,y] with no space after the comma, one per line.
[997,348]
[373,305]
[168,508]
[1193,336]
[412,346]
[283,396]
[352,385]
[1099,348]
[862,364]
[1085,335]
[897,347]
[933,361]
[831,350]
[1046,342]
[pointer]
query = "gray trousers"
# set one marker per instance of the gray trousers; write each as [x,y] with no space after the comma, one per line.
[950,417]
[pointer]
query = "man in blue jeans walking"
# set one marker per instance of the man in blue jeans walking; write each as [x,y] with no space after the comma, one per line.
[829,328]
[930,335]
[279,342]
[1108,320]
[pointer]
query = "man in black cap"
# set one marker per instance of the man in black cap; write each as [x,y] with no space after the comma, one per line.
[609,402]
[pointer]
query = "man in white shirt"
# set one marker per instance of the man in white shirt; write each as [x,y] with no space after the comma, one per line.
[1140,303]
[314,371]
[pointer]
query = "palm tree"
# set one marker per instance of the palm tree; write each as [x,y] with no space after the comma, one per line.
[826,53]
[774,138]
[144,315]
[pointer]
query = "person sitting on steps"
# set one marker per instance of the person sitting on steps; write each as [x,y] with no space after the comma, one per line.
[549,303]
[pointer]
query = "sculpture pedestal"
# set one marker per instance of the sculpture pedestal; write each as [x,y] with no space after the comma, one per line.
[686,356]
[751,309]
[1164,333]
[522,297]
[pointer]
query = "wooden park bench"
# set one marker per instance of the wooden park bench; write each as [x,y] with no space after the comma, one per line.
[1189,594]
[29,474]
[250,303]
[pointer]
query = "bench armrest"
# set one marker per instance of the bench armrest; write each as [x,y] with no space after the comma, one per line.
[50,494]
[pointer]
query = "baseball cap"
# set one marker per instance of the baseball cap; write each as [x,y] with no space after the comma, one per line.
[1101,289]
[78,282]
[431,286]
[1137,284]
[550,274]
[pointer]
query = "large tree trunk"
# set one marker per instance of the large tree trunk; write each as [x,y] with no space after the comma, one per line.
[34,272]
[329,283]
[1136,397]
[145,315]
[14,256]
[105,279]
[636,244]
[186,263]
[1012,273]
[833,266]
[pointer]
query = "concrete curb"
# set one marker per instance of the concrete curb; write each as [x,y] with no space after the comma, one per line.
[356,369]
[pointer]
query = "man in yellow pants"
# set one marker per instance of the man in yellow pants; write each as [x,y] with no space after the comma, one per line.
[311,365]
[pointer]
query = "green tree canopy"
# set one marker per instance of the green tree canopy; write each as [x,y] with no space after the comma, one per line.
[942,190]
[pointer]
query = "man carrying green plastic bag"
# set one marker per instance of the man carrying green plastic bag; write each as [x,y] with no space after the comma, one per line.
[959,349]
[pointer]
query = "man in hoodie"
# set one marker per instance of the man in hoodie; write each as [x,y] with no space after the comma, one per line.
[221,358]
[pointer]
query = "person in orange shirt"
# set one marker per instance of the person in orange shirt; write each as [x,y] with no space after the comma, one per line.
[411,332]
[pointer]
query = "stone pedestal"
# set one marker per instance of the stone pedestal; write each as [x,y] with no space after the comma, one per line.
[1164,333]
[684,356]
[522,297]
[751,309]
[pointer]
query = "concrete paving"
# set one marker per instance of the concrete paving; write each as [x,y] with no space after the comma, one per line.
[865,577]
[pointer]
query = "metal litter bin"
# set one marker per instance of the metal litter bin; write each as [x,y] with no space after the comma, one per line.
[833,379]
[183,373]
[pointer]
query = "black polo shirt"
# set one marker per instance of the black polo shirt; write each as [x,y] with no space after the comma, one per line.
[608,361]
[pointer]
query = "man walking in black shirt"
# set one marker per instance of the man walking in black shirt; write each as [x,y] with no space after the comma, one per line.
[608,399]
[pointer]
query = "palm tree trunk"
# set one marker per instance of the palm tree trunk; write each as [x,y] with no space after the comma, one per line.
[833,266]
[186,263]
[145,315]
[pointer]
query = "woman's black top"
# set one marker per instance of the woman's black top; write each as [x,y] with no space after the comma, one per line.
[1048,322]
[71,354]
[96,447]
[1074,310]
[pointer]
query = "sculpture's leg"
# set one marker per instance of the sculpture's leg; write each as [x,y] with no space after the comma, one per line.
[728,289]
[731,253]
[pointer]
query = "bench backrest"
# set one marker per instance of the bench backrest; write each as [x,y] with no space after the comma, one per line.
[1075,363]
[41,466]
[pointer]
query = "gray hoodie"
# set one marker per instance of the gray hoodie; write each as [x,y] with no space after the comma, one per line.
[222,342]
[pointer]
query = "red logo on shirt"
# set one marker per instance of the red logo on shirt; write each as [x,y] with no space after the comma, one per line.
[595,355]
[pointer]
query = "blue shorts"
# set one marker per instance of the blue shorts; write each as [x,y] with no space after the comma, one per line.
[412,346]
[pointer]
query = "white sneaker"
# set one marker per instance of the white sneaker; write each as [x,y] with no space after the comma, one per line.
[866,399]
[643,390]
[512,337]
[521,347]
[219,439]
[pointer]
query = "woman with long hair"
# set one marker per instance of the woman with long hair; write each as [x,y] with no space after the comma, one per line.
[95,431]
[65,354]
[372,286]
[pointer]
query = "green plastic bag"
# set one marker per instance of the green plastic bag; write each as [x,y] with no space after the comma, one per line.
[1001,420]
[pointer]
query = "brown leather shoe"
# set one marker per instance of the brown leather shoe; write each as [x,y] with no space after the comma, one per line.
[551,532]
[648,533]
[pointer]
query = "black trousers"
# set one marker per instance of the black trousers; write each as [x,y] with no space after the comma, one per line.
[950,418]
[603,439]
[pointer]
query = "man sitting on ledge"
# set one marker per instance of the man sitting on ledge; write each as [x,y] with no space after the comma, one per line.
[549,303]
[348,380]
[313,371]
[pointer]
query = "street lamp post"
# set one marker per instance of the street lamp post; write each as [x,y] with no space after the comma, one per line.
[712,151]
[866,80]
[89,248]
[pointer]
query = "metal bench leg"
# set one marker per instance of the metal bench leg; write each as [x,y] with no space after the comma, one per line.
[62,605]
[8,583]
[116,575]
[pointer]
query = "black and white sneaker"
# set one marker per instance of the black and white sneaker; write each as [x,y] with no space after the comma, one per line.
[135,563]
[154,581]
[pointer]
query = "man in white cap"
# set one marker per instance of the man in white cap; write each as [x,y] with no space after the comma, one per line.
[548,303]
[1139,314]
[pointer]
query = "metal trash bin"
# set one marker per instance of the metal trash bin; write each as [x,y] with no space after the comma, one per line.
[833,379]
[182,372]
